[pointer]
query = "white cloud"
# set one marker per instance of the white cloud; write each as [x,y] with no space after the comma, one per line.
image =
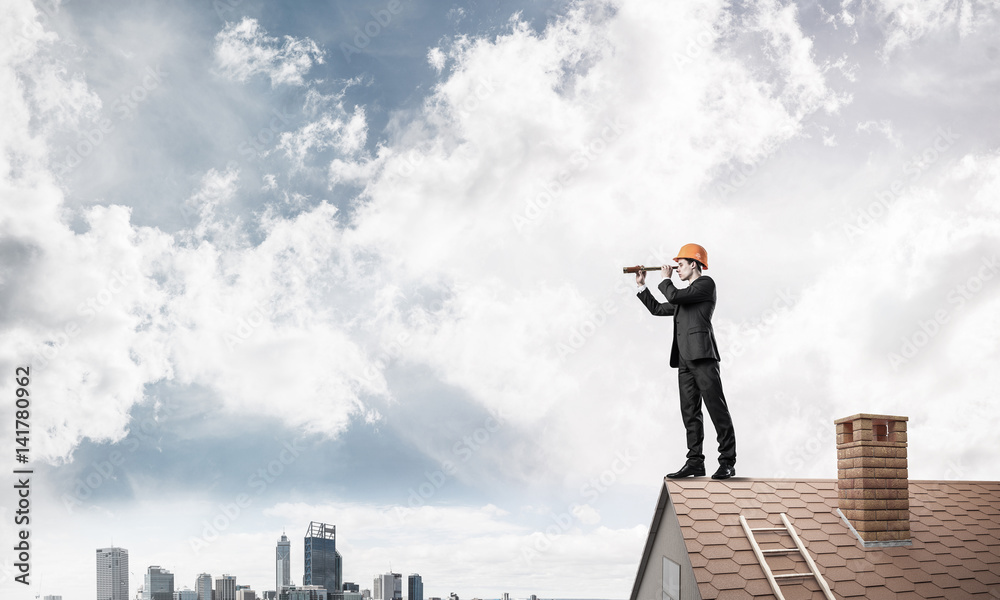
[270,182]
[246,316]
[540,159]
[102,311]
[880,340]
[436,58]
[805,89]
[244,49]
[76,304]
[345,133]
[906,22]
[883,127]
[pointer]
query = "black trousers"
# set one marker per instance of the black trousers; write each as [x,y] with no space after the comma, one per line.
[700,380]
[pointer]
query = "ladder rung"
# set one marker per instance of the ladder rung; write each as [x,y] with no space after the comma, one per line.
[773,579]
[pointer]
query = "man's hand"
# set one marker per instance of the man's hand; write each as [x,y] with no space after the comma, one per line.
[640,278]
[667,271]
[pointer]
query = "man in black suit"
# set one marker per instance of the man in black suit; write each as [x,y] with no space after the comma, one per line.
[695,354]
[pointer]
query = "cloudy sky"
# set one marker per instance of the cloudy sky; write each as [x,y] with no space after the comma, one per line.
[360,262]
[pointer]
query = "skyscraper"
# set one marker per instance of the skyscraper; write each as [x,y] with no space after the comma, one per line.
[283,563]
[389,586]
[159,584]
[323,564]
[112,574]
[225,587]
[203,586]
[414,587]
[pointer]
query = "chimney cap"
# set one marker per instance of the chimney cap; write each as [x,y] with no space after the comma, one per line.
[870,416]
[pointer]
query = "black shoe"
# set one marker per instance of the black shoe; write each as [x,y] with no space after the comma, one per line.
[688,470]
[725,472]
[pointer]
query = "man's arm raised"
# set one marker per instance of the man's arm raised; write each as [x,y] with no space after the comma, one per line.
[700,290]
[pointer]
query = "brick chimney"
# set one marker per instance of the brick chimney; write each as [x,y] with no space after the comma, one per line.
[872,481]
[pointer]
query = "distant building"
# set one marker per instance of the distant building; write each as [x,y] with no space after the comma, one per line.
[283,563]
[112,573]
[350,587]
[303,592]
[203,586]
[245,593]
[185,594]
[388,586]
[415,587]
[323,564]
[52,597]
[225,587]
[159,584]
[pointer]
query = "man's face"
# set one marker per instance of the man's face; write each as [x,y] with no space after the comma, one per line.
[685,269]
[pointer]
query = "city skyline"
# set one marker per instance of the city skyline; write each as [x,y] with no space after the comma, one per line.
[319,541]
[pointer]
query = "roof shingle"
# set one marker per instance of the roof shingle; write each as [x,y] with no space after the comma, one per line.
[954,551]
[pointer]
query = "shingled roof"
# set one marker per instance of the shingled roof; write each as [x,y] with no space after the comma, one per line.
[954,550]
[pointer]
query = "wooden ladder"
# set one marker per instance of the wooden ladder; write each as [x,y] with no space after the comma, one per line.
[799,547]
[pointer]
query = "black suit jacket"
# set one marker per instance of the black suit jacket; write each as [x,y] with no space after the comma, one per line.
[692,309]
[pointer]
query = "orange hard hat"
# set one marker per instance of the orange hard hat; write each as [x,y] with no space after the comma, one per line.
[694,252]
